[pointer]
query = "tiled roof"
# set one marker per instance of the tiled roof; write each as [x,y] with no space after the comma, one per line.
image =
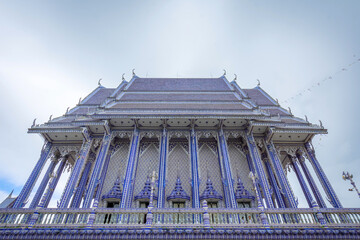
[202,106]
[179,84]
[258,97]
[178,97]
[99,96]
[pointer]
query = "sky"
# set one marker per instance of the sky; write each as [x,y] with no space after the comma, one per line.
[305,53]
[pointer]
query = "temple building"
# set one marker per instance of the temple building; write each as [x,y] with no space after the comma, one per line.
[178,158]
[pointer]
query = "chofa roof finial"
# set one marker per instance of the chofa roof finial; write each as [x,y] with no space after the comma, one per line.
[258,82]
[123,78]
[50,118]
[290,111]
[67,110]
[99,82]
[306,119]
[79,101]
[133,72]
[321,125]
[224,72]
[34,122]
[235,77]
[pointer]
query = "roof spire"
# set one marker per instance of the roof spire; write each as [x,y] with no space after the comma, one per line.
[224,72]
[67,110]
[258,82]
[79,101]
[133,72]
[50,118]
[235,77]
[99,82]
[34,122]
[123,78]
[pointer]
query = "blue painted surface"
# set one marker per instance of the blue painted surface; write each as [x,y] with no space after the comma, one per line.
[129,170]
[29,185]
[285,186]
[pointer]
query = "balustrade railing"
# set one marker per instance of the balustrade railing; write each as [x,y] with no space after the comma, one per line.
[167,217]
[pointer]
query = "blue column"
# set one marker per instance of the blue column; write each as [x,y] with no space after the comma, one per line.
[252,169]
[82,184]
[302,182]
[43,184]
[126,197]
[229,186]
[311,182]
[75,174]
[274,185]
[94,179]
[102,178]
[29,185]
[279,170]
[194,170]
[254,153]
[322,177]
[52,185]
[162,169]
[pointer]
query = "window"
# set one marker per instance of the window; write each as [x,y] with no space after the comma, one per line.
[108,218]
[212,204]
[244,205]
[142,217]
[178,205]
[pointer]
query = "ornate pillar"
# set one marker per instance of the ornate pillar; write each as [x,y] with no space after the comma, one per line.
[285,186]
[125,201]
[224,157]
[322,177]
[52,185]
[301,179]
[99,162]
[75,174]
[274,184]
[40,191]
[83,180]
[29,185]
[311,181]
[162,169]
[194,170]
[102,178]
[254,153]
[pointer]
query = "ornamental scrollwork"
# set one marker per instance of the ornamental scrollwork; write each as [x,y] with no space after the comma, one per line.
[179,134]
[206,134]
[290,150]
[65,150]
[121,134]
[150,134]
[234,134]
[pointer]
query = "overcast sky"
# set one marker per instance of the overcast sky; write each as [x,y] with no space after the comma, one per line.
[53,52]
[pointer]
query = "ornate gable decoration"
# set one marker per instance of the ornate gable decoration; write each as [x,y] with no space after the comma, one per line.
[241,192]
[178,193]
[146,192]
[114,193]
[210,193]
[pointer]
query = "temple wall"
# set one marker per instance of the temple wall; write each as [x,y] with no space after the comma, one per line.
[148,161]
[209,165]
[239,166]
[117,167]
[178,163]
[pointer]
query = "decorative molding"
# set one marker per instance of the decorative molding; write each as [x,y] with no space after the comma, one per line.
[235,134]
[206,134]
[121,134]
[179,134]
[150,134]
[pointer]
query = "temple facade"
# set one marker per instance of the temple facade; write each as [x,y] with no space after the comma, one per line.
[178,158]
